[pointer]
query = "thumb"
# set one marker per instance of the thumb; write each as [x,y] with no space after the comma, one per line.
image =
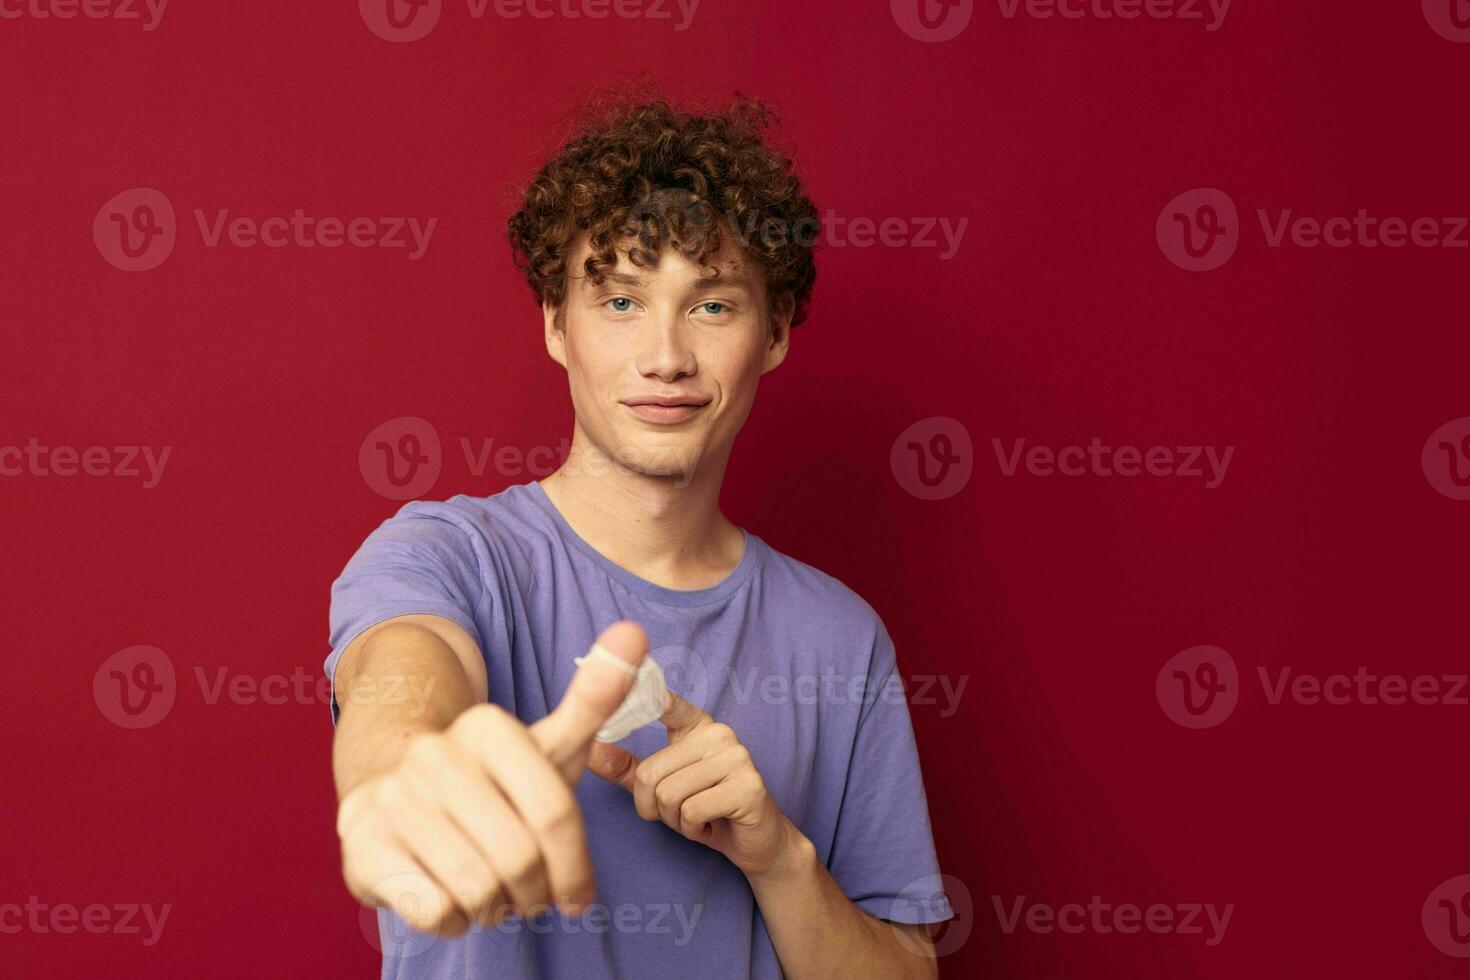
[597,689]
[682,717]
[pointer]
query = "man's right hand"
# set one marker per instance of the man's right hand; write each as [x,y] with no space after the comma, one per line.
[478,821]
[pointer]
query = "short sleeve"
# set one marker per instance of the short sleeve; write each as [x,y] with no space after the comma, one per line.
[419,561]
[883,852]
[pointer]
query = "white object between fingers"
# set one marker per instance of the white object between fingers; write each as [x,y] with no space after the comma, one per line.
[646,701]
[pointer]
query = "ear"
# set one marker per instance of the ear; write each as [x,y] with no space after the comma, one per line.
[780,339]
[556,335]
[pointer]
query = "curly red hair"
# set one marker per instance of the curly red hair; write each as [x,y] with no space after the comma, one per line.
[643,176]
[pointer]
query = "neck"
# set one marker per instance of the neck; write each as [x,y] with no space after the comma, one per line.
[667,529]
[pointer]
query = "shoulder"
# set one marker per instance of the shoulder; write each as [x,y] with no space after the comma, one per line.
[825,601]
[495,519]
[486,538]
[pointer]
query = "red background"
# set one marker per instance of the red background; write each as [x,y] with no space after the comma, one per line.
[1059,777]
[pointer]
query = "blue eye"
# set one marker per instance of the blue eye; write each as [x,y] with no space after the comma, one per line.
[620,299]
[706,308]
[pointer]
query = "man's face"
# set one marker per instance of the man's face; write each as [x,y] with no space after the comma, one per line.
[663,363]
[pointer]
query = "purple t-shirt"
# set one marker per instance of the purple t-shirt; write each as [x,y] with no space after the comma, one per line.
[796,663]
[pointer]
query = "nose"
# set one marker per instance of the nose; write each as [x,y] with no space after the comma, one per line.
[665,352]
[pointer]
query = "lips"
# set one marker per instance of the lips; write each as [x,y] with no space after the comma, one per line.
[665,410]
[667,401]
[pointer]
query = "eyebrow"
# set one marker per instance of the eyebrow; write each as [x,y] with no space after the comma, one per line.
[705,283]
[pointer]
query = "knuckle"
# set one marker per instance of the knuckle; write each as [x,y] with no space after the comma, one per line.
[354,880]
[390,795]
[559,818]
[435,919]
[476,720]
[623,769]
[473,881]
[722,732]
[524,869]
[580,887]
[426,750]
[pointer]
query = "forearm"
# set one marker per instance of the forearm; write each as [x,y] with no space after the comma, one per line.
[819,933]
[404,680]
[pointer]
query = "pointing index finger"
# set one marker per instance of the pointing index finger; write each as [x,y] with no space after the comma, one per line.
[681,717]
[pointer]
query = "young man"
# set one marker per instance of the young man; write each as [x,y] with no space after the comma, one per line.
[773,821]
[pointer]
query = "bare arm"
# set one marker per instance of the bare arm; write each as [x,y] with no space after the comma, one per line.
[800,900]
[402,677]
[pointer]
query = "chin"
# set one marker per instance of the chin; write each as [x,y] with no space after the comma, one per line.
[660,457]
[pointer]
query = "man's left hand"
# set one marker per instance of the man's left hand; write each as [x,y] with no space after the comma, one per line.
[705,786]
